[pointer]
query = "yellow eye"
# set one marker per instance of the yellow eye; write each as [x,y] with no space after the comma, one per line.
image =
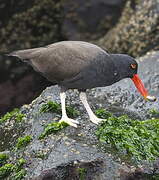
[133,66]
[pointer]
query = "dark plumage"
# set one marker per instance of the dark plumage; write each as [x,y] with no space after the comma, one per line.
[80,65]
[76,64]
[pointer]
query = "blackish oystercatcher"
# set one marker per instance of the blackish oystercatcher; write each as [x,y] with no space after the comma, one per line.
[81,65]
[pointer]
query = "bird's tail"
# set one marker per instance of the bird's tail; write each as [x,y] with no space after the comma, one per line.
[24,54]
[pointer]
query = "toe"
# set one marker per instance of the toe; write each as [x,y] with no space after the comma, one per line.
[97,120]
[71,122]
[74,121]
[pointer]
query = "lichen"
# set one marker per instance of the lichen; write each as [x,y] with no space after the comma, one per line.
[15,114]
[23,141]
[54,107]
[53,127]
[136,139]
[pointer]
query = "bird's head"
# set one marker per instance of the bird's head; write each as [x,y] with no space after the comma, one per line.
[127,68]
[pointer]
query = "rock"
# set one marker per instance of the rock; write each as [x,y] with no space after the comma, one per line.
[137,30]
[90,20]
[73,153]
[43,22]
[17,91]
[37,24]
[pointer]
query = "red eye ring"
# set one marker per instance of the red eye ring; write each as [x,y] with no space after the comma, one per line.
[133,66]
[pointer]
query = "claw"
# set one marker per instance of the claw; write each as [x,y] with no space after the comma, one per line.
[96,120]
[69,121]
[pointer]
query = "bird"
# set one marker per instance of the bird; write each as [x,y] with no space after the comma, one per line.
[81,65]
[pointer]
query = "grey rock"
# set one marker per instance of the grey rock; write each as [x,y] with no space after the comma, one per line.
[72,150]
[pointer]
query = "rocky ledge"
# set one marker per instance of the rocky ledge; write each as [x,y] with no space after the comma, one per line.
[32,150]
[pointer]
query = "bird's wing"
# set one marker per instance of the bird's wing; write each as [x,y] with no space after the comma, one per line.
[61,60]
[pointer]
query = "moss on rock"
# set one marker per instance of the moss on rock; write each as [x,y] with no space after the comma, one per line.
[23,141]
[130,138]
[3,158]
[15,114]
[54,107]
[53,128]
[13,171]
[6,170]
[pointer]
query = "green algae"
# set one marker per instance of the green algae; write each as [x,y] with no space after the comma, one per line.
[51,106]
[20,163]
[13,171]
[53,127]
[19,175]
[15,114]
[136,139]
[23,141]
[6,170]
[3,158]
[82,173]
[19,171]
[154,113]
[54,107]
[102,113]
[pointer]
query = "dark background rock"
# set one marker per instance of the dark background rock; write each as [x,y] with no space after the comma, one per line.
[26,24]
[89,20]
[137,30]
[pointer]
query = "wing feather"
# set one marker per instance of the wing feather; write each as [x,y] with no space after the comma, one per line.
[62,60]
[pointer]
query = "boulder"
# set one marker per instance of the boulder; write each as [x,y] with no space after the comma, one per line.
[137,30]
[89,20]
[73,153]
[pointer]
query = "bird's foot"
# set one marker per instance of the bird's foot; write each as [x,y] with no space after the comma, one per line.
[69,121]
[96,120]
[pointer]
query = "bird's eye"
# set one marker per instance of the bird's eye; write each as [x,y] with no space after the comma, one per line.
[133,66]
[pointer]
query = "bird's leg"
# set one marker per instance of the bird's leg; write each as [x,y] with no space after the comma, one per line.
[92,116]
[65,118]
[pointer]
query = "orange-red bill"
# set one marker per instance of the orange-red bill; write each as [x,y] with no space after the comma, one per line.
[140,86]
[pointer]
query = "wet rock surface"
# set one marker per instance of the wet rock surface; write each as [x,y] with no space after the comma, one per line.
[73,153]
